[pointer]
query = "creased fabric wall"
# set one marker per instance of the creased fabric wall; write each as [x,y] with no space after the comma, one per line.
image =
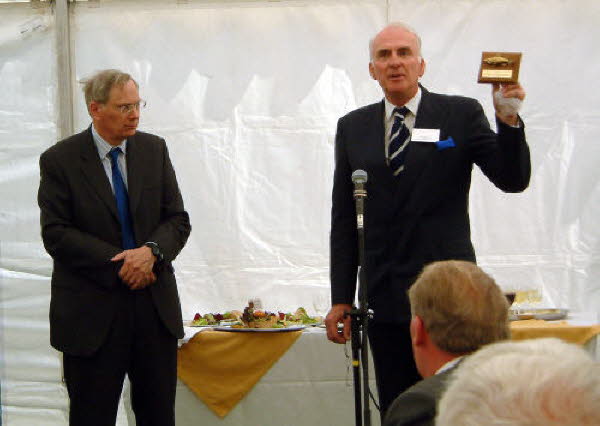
[247,95]
[548,235]
[31,390]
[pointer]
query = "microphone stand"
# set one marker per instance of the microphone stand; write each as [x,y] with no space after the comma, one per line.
[359,318]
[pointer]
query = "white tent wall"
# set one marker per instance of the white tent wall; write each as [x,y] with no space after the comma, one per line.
[247,95]
[30,373]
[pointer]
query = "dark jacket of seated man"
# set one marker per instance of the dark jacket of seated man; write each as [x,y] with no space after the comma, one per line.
[417,405]
[456,309]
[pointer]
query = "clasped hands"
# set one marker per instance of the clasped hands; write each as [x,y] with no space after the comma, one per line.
[136,271]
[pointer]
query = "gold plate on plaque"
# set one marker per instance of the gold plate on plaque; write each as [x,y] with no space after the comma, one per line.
[499,67]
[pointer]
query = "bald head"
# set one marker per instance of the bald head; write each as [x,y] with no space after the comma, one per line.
[396,62]
[395,27]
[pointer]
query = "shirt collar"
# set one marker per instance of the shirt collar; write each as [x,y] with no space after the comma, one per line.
[103,146]
[412,105]
[450,364]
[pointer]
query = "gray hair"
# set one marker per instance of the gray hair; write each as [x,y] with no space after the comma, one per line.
[97,87]
[398,24]
[531,382]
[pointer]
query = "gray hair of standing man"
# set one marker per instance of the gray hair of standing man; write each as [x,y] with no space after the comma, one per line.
[97,87]
[462,307]
[396,25]
[527,383]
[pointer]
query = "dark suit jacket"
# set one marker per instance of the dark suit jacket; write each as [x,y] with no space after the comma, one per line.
[81,231]
[422,216]
[417,406]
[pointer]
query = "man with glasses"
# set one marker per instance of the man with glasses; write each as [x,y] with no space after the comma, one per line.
[113,220]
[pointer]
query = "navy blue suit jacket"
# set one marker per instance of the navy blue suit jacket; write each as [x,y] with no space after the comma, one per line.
[422,215]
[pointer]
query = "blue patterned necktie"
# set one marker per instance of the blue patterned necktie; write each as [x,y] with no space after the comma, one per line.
[122,201]
[399,139]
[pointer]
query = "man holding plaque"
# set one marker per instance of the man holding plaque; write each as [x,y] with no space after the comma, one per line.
[418,149]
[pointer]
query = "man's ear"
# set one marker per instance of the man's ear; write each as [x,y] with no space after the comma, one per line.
[422,68]
[372,70]
[94,108]
[418,333]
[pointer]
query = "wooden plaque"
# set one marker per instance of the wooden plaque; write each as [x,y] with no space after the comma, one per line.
[499,67]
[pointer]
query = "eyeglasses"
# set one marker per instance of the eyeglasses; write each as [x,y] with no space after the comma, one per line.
[128,108]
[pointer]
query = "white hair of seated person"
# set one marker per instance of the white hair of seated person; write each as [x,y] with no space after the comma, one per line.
[526,383]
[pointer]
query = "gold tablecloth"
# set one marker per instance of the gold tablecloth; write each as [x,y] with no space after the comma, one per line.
[531,329]
[222,367]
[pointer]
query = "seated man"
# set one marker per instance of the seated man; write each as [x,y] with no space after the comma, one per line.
[531,382]
[456,308]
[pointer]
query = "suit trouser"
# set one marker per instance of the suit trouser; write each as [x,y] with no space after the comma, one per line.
[395,369]
[139,345]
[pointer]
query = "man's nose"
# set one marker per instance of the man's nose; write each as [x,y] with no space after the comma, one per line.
[395,59]
[134,113]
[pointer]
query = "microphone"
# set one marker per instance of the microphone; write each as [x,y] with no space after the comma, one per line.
[359,178]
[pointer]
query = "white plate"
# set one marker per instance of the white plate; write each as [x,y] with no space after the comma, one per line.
[540,314]
[261,330]
[189,324]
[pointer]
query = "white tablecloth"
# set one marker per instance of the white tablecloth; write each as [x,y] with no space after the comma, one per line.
[310,385]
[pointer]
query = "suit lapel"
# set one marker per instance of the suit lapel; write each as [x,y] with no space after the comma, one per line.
[431,114]
[420,159]
[135,164]
[421,154]
[373,134]
[374,130]
[94,174]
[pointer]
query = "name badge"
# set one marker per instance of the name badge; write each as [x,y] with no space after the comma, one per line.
[425,135]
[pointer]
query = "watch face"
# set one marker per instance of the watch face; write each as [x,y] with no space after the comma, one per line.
[155,251]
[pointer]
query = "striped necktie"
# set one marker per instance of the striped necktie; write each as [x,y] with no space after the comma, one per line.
[122,199]
[399,139]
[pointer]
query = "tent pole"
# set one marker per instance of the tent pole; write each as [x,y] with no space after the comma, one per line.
[64,77]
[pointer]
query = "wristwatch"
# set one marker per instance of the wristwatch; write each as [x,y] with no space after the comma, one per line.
[155,251]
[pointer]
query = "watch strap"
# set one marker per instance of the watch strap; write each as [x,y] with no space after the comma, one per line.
[155,250]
